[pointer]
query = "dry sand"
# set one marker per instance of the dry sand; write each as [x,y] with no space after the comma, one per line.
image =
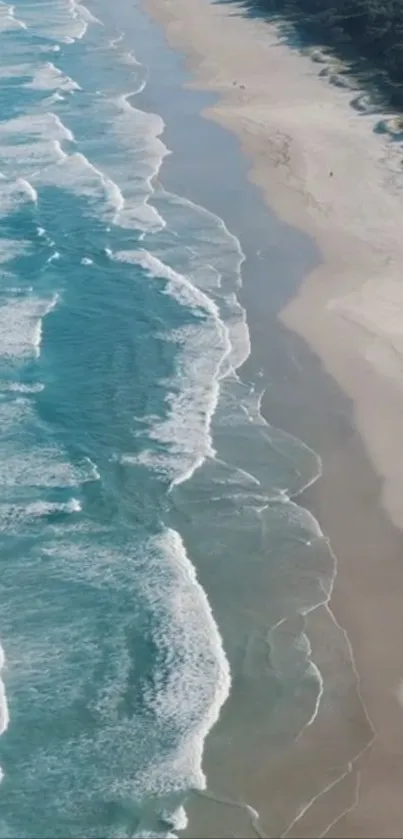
[297,128]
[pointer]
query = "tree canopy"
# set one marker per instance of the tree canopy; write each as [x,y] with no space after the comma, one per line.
[374,28]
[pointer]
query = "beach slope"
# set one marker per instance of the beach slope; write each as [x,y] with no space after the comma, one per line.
[328,163]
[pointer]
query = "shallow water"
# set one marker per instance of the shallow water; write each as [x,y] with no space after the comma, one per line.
[150,550]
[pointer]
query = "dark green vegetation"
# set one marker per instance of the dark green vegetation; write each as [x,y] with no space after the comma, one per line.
[370,29]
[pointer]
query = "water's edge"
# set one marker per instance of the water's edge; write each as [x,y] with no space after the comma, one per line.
[311,401]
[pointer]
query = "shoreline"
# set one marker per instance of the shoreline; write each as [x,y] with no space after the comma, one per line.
[347,311]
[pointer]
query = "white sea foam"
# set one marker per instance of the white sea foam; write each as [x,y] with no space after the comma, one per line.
[13,517]
[136,133]
[8,20]
[196,681]
[43,467]
[63,20]
[234,316]
[139,134]
[21,326]
[115,41]
[50,48]
[46,508]
[78,175]
[54,98]
[12,248]
[126,197]
[43,135]
[39,323]
[88,470]
[15,193]
[49,77]
[79,10]
[124,104]
[54,257]
[191,678]
[177,819]
[37,469]
[213,252]
[37,126]
[204,351]
[12,290]
[20,387]
[211,255]
[27,190]
[13,414]
[194,397]
[179,286]
[26,158]
[15,71]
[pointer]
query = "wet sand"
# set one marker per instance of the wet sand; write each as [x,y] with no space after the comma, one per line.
[322,166]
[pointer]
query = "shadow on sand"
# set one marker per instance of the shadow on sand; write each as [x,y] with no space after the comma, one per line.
[330,46]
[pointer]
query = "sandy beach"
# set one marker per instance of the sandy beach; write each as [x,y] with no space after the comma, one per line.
[323,166]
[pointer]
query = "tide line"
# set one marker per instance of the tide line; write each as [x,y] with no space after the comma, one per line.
[241,805]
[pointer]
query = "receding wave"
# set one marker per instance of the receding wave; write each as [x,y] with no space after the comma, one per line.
[14,194]
[49,77]
[64,20]
[15,518]
[203,349]
[21,325]
[8,19]
[192,678]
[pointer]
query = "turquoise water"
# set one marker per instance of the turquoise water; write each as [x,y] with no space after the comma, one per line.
[136,466]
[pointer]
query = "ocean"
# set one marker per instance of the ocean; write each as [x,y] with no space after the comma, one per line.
[154,567]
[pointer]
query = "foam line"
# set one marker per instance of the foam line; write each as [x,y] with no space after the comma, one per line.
[49,77]
[8,20]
